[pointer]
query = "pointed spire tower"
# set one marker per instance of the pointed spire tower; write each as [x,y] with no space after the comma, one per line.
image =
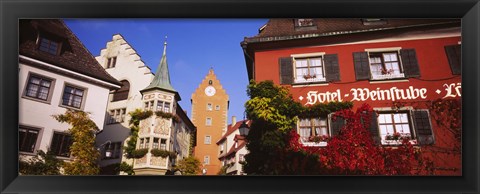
[161,80]
[158,132]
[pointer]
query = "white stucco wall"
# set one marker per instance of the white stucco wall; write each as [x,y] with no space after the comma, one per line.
[39,114]
[128,67]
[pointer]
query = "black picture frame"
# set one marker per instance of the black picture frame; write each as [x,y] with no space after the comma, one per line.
[11,11]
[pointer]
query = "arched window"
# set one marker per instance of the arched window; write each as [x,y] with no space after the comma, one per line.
[122,93]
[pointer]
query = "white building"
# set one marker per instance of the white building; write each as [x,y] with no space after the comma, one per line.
[232,148]
[56,72]
[121,61]
[141,89]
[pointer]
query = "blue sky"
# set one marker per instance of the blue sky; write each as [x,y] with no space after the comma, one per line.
[194,45]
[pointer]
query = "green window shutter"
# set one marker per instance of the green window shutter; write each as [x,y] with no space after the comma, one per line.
[336,126]
[409,63]
[362,65]
[374,127]
[423,128]
[286,70]
[454,54]
[332,70]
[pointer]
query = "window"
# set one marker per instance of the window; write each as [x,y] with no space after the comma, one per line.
[373,21]
[122,93]
[394,126]
[309,70]
[166,107]
[155,143]
[49,46]
[163,106]
[454,55]
[313,129]
[61,143]
[72,96]
[144,143]
[309,67]
[27,139]
[209,121]
[149,105]
[217,107]
[117,115]
[111,61]
[209,106]
[163,144]
[304,22]
[207,139]
[385,65]
[206,159]
[114,148]
[38,87]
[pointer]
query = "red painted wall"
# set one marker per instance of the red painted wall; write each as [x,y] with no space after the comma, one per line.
[434,73]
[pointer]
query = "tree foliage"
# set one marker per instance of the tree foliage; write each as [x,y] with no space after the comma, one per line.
[83,149]
[41,164]
[274,147]
[189,166]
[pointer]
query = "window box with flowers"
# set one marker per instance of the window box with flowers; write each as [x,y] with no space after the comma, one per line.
[397,138]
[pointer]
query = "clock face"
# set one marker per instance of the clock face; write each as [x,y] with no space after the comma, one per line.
[210,91]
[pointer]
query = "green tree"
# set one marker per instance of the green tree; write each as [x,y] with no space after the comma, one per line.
[42,164]
[83,150]
[189,166]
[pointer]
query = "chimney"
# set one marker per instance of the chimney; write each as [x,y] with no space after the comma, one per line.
[234,120]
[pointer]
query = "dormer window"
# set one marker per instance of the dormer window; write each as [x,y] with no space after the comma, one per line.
[373,21]
[49,45]
[302,24]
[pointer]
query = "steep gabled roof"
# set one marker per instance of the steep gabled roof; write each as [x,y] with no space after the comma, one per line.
[73,55]
[232,128]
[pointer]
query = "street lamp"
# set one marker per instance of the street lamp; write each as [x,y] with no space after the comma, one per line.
[108,152]
[244,129]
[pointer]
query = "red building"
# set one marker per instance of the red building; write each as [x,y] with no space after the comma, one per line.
[398,66]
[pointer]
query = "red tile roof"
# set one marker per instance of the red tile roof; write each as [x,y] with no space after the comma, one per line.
[73,56]
[234,149]
[334,26]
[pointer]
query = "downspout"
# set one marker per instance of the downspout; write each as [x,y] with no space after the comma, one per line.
[244,48]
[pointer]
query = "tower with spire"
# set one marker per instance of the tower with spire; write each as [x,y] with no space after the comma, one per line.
[160,134]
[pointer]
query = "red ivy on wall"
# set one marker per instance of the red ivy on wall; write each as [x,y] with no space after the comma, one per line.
[354,152]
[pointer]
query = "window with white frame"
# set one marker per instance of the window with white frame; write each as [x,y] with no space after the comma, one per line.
[309,69]
[208,139]
[208,121]
[148,105]
[206,159]
[385,65]
[313,129]
[394,126]
[304,22]
[38,87]
[163,106]
[72,96]
[117,115]
[209,106]
[217,107]
[156,142]
[163,144]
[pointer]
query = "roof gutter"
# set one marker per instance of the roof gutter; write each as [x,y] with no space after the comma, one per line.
[85,77]
[251,75]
